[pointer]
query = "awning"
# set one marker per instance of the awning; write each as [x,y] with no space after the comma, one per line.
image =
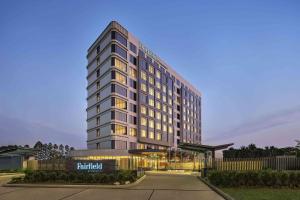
[203,148]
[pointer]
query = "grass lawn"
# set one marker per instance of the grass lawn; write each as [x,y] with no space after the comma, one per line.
[262,193]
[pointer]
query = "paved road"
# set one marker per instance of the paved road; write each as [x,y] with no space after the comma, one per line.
[154,187]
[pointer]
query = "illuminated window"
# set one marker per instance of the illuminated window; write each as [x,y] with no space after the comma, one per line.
[170,111]
[119,129]
[143,121]
[119,64]
[143,110]
[158,74]
[118,77]
[133,132]
[164,88]
[151,135]
[170,120]
[151,123]
[143,87]
[158,105]
[132,72]
[170,92]
[164,128]
[164,99]
[151,112]
[164,118]
[151,69]
[151,80]
[158,85]
[157,94]
[158,126]
[151,102]
[119,103]
[143,133]
[170,129]
[151,91]
[170,101]
[164,108]
[158,136]
[143,75]
[158,115]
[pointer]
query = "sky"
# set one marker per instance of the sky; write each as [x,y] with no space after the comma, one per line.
[244,57]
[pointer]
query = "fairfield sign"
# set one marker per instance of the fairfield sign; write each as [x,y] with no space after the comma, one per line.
[92,165]
[89,166]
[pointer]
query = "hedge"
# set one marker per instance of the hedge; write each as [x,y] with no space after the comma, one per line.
[265,178]
[76,177]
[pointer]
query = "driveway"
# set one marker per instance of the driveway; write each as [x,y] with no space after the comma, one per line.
[153,187]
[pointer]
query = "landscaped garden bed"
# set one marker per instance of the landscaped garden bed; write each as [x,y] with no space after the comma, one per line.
[73,177]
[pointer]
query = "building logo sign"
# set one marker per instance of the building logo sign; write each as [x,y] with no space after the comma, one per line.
[148,52]
[89,166]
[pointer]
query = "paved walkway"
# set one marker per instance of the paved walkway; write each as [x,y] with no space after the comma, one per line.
[154,187]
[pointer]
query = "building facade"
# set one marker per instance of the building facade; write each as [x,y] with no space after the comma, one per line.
[134,99]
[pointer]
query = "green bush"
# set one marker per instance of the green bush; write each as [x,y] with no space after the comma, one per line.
[77,177]
[265,178]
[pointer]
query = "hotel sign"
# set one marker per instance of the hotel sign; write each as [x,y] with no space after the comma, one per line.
[92,165]
[148,52]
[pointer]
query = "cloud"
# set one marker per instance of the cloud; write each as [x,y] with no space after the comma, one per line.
[280,128]
[21,132]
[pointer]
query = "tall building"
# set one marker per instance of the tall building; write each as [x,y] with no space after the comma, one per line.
[135,100]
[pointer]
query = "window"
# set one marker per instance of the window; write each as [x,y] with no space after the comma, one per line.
[98,85]
[97,132]
[170,101]
[151,112]
[98,73]
[151,69]
[98,49]
[158,136]
[170,92]
[158,74]
[143,87]
[132,120]
[118,64]
[143,75]
[157,94]
[164,118]
[133,107]
[143,121]
[98,96]
[116,49]
[98,145]
[98,109]
[164,88]
[132,96]
[151,134]
[117,36]
[151,123]
[132,83]
[118,129]
[133,60]
[158,126]
[118,77]
[170,129]
[98,121]
[151,102]
[143,133]
[132,72]
[98,61]
[170,111]
[119,89]
[170,120]
[118,103]
[132,48]
[158,105]
[164,108]
[157,84]
[151,80]
[119,116]
[132,132]
[158,115]
[164,99]
[144,110]
[164,128]
[151,91]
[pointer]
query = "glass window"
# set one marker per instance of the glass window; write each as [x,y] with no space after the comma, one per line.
[132,48]
[133,59]
[119,129]
[151,69]
[117,36]
[157,94]
[143,87]
[164,108]
[116,49]
[98,132]
[158,136]
[151,91]
[164,118]
[164,128]
[151,123]
[170,120]
[158,85]
[151,112]
[151,80]
[119,89]
[132,72]
[170,111]
[143,133]
[158,115]
[143,121]
[133,132]
[158,105]
[119,103]
[118,77]
[151,134]
[98,109]
[119,64]
[158,74]
[164,99]
[170,92]
[119,116]
[144,110]
[151,102]
[164,88]
[170,129]
[144,75]
[170,101]
[158,126]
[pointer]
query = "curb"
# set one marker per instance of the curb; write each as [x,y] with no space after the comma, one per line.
[76,186]
[215,189]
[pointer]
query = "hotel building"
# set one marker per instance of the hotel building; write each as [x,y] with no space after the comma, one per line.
[135,100]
